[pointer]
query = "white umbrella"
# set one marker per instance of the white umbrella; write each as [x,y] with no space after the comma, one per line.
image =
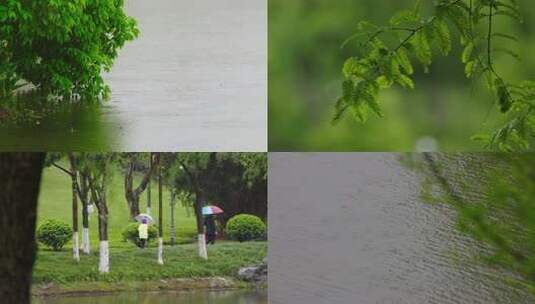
[142,216]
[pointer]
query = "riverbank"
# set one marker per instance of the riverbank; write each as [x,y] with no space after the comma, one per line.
[134,269]
[101,288]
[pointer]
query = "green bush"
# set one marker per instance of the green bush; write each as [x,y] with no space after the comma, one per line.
[54,234]
[131,234]
[245,227]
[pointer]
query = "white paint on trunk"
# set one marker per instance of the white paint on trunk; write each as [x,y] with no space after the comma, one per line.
[104,261]
[75,248]
[202,247]
[85,240]
[160,251]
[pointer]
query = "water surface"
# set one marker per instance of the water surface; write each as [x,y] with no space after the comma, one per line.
[194,80]
[351,228]
[200,297]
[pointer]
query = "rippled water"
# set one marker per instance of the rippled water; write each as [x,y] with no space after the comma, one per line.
[201,297]
[351,228]
[196,77]
[195,80]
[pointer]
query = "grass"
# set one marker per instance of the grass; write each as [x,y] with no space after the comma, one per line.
[129,264]
[134,264]
[55,201]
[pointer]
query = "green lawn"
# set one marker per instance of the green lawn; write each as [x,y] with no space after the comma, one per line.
[127,262]
[134,264]
[55,201]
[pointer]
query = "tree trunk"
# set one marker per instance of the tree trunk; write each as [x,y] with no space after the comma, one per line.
[104,255]
[160,215]
[84,197]
[172,230]
[131,198]
[86,247]
[98,194]
[131,194]
[75,248]
[148,187]
[19,189]
[201,240]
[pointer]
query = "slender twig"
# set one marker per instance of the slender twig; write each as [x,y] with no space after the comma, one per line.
[489,36]
[62,169]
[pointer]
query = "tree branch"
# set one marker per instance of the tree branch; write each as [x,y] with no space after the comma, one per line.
[496,239]
[62,169]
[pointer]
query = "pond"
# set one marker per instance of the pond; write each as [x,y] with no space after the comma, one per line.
[352,228]
[198,297]
[195,80]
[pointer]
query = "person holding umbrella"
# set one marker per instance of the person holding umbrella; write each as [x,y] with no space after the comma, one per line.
[143,231]
[143,228]
[209,223]
[209,213]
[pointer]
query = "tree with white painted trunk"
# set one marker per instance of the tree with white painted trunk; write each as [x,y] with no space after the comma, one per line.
[75,247]
[79,174]
[186,171]
[54,160]
[98,180]
[85,199]
[160,210]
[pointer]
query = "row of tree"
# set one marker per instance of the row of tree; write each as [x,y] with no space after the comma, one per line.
[194,178]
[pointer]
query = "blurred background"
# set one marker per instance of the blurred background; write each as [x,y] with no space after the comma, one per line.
[442,112]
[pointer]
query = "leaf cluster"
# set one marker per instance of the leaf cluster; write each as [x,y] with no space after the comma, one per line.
[61,46]
[382,61]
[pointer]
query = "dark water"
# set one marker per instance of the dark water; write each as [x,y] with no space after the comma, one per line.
[195,80]
[202,297]
[351,228]
[67,127]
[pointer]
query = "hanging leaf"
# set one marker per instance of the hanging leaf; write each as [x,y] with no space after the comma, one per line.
[442,32]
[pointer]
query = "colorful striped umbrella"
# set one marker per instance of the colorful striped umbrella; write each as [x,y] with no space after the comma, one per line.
[209,210]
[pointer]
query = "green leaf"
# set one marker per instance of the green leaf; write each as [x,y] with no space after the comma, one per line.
[404,61]
[405,81]
[422,48]
[350,67]
[369,93]
[340,108]
[360,112]
[404,16]
[443,34]
[470,68]
[467,52]
[347,89]
[383,82]
[504,99]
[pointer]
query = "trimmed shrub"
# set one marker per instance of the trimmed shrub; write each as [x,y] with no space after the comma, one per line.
[245,227]
[131,234]
[54,234]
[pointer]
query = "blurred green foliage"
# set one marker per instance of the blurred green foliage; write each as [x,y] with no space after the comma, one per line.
[442,112]
[493,196]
